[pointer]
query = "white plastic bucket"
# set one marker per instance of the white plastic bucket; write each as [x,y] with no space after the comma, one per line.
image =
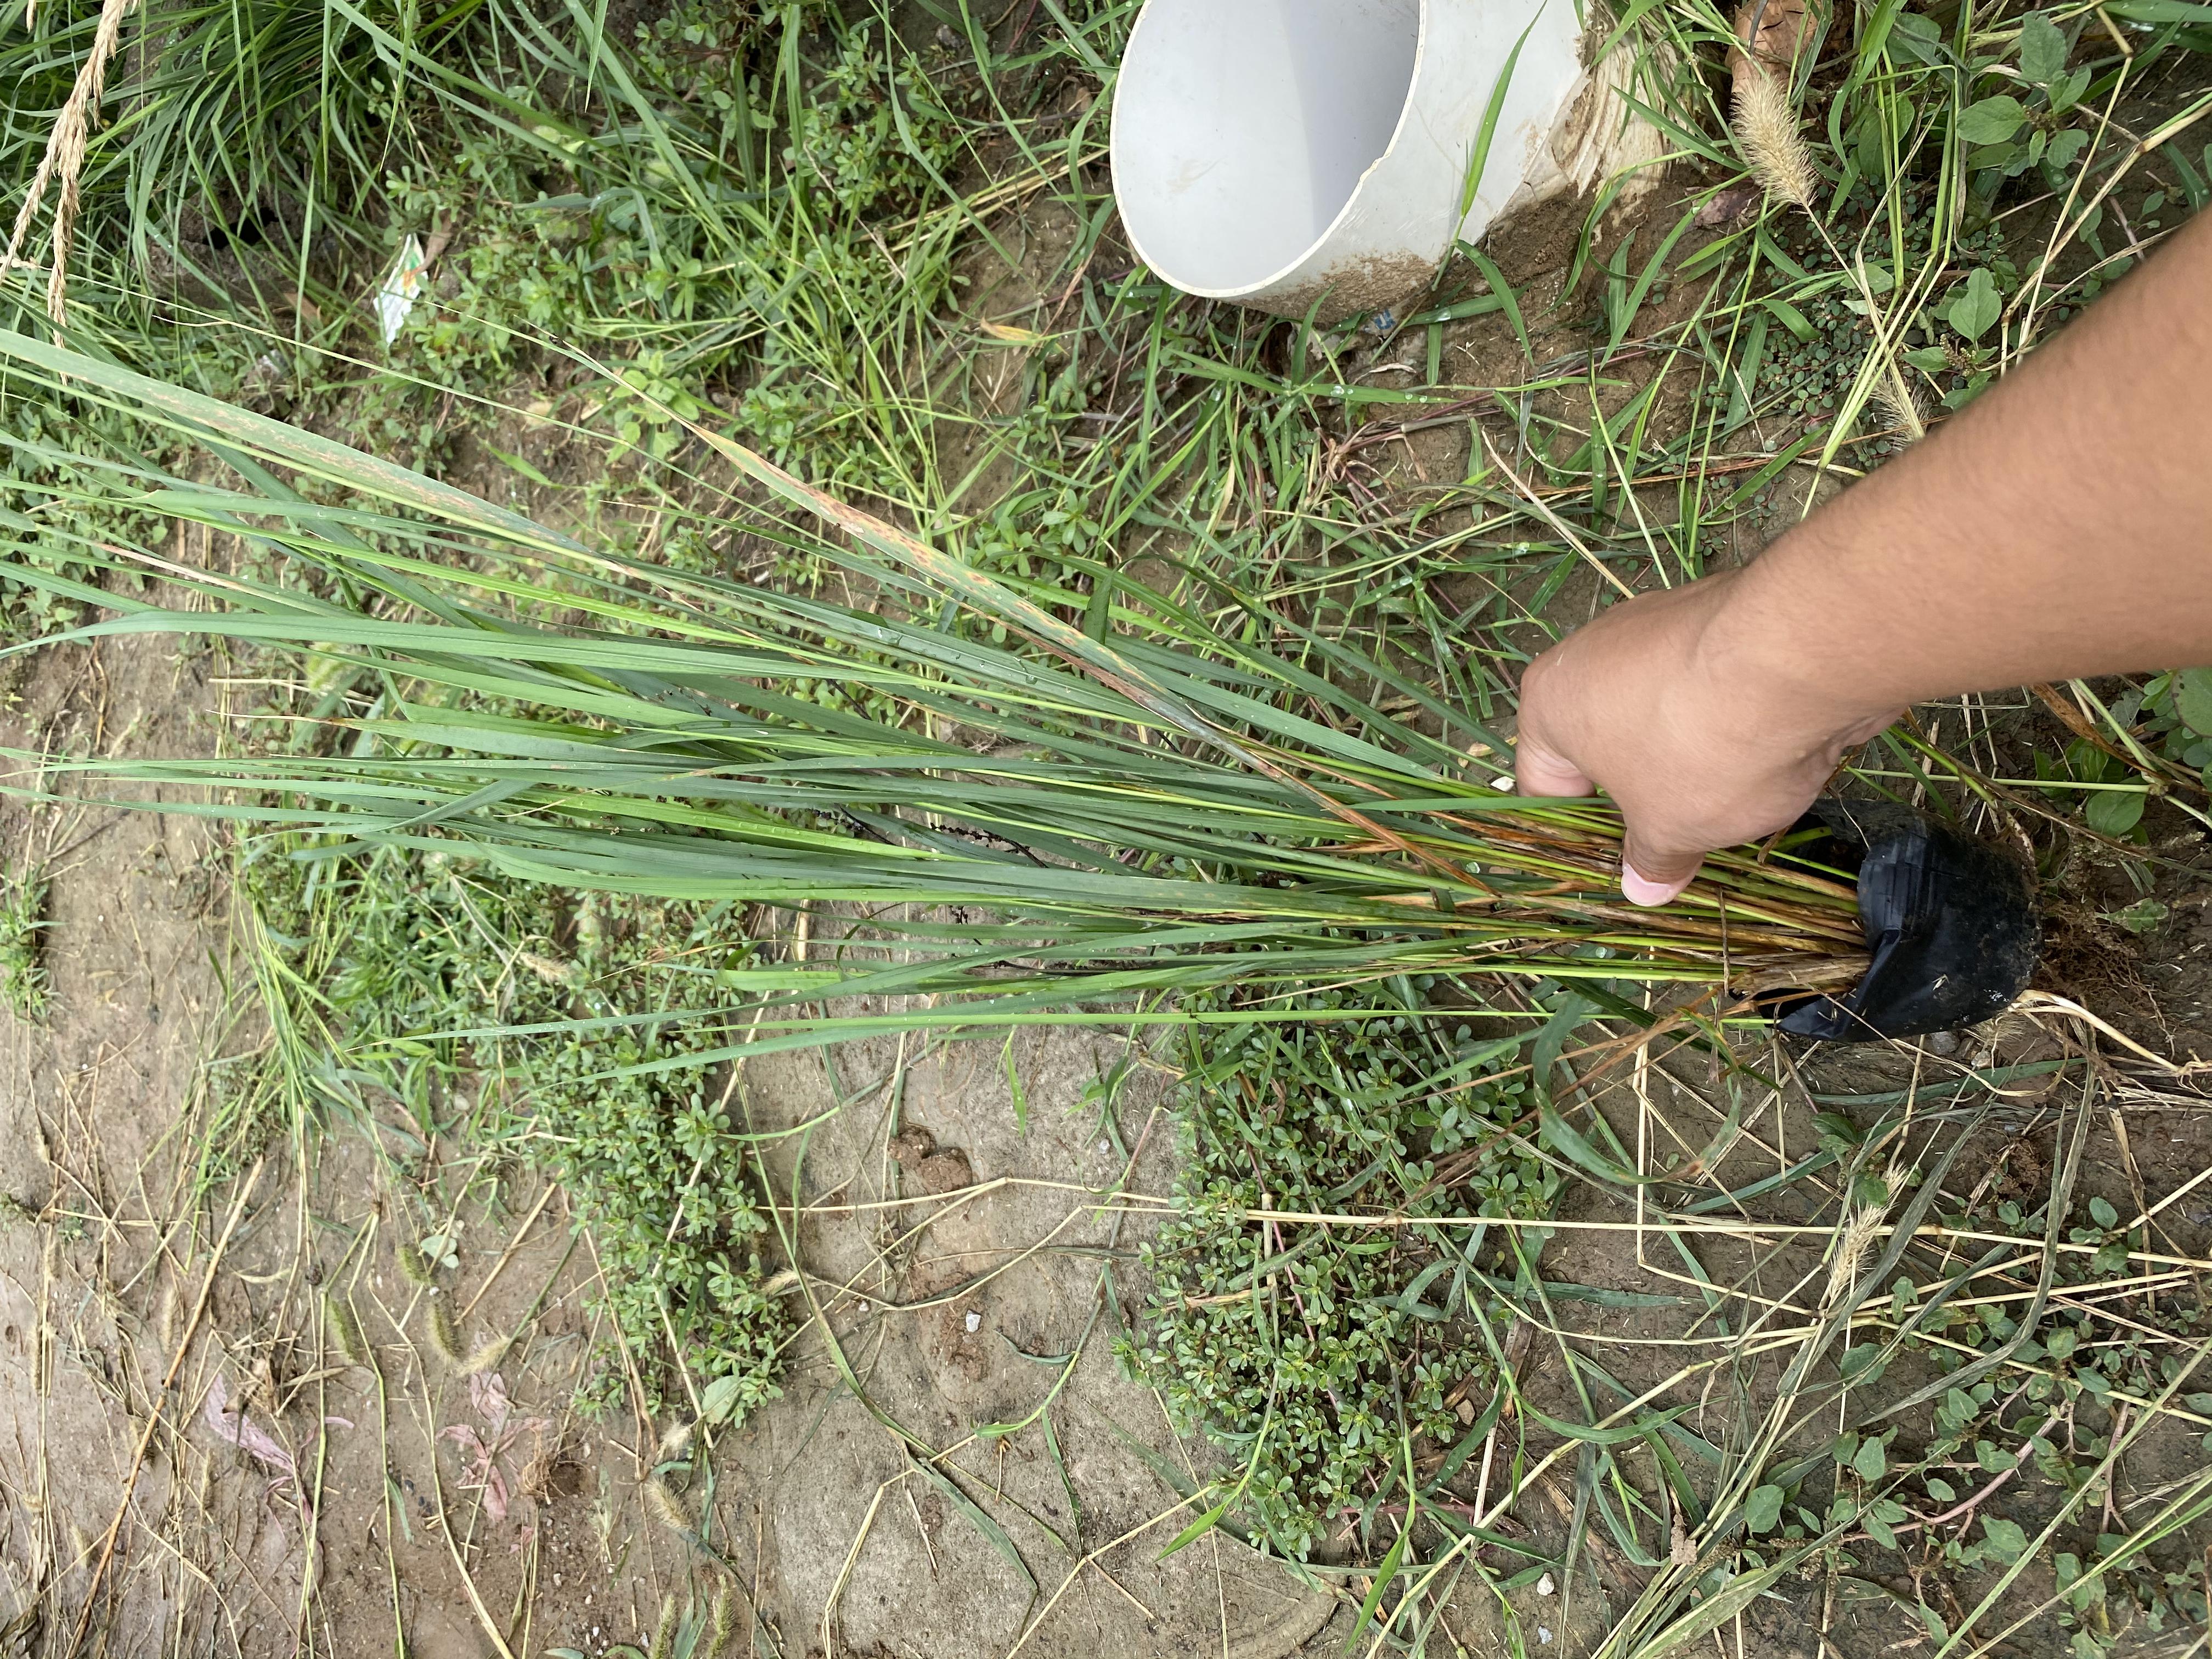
[1280,152]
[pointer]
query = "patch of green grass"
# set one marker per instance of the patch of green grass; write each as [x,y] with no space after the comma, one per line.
[250,172]
[22,921]
[710,215]
[420,949]
[60,509]
[708,202]
[1813,332]
[669,1190]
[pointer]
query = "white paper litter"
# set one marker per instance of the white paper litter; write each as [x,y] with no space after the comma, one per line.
[403,285]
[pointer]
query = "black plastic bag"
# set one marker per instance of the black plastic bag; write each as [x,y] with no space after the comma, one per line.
[1949,921]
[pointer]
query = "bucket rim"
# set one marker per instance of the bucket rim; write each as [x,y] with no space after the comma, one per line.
[1275,278]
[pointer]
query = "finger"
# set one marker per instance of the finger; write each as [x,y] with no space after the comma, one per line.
[1649,879]
[1539,769]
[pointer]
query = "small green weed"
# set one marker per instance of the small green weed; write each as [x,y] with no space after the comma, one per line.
[754,271]
[426,946]
[22,918]
[1324,1360]
[1818,335]
[59,512]
[667,1187]
[2176,710]
[2160,744]
[2119,1594]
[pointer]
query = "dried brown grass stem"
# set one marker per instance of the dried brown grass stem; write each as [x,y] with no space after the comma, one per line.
[65,159]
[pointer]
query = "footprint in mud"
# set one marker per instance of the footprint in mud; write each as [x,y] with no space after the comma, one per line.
[939,1170]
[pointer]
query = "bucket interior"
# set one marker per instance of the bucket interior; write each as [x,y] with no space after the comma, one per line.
[1242,128]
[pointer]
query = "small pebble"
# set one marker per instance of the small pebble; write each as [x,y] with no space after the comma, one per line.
[1945,1043]
[975,1323]
[1545,1586]
[1543,1636]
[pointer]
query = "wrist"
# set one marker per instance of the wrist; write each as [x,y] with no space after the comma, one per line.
[1796,655]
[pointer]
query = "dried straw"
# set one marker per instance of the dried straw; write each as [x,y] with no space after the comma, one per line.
[1857,1235]
[65,156]
[1904,402]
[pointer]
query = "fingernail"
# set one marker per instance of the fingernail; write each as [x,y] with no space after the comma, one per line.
[1642,890]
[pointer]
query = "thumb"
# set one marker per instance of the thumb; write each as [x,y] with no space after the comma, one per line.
[1649,877]
[1540,769]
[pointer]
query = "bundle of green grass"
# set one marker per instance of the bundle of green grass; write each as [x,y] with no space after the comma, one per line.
[1022,798]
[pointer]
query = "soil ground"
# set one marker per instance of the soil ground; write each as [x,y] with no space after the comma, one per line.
[113,1265]
[398,1506]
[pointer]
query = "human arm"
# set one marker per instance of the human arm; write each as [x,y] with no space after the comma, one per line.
[2060,527]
